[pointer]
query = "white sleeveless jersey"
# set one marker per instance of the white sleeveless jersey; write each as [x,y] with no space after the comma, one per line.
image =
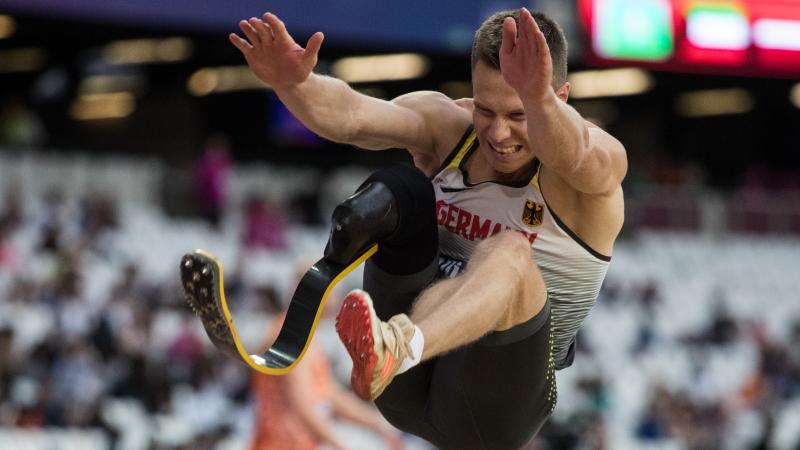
[468,213]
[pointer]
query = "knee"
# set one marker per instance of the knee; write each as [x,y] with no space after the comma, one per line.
[517,246]
[512,250]
[529,294]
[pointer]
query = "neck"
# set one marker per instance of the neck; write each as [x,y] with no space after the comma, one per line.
[480,170]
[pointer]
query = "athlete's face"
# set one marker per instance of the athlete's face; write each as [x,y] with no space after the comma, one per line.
[500,124]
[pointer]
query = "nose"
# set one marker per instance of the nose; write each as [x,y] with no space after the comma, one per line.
[499,130]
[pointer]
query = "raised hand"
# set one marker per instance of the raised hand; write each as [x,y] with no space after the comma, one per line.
[273,56]
[525,58]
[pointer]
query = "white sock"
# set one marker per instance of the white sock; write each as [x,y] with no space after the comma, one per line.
[417,344]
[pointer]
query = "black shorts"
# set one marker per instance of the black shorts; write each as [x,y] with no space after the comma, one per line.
[493,394]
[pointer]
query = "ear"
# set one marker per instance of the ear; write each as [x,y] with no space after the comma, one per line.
[563,91]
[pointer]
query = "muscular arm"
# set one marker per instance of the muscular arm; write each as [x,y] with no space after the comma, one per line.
[329,107]
[586,157]
[332,109]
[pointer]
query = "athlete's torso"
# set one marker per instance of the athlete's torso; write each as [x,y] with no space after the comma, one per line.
[468,213]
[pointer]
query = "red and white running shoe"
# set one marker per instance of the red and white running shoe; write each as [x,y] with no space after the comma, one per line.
[377,348]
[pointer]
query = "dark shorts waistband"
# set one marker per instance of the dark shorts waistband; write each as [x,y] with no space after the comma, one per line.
[518,332]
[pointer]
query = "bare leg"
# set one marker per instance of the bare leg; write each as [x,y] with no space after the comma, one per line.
[501,288]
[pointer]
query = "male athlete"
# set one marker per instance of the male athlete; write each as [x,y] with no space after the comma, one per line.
[491,252]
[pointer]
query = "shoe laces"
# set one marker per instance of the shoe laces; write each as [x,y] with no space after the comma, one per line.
[403,347]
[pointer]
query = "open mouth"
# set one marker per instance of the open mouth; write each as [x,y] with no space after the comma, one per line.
[508,150]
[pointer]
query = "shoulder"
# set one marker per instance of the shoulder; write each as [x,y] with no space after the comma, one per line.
[434,106]
[466,104]
[446,120]
[424,99]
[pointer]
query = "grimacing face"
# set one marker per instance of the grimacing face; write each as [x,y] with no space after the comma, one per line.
[501,125]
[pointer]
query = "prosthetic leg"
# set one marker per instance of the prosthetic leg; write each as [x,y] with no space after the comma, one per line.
[202,277]
[358,223]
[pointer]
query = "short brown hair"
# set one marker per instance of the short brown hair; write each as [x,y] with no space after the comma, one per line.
[489,37]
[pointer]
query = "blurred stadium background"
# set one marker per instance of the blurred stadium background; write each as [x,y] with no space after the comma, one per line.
[131,132]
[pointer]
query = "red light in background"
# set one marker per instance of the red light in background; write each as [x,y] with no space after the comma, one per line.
[740,37]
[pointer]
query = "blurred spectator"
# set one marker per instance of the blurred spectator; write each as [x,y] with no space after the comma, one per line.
[8,367]
[9,256]
[655,423]
[678,416]
[296,411]
[77,385]
[74,314]
[30,403]
[723,328]
[264,225]
[11,215]
[186,350]
[212,174]
[202,403]
[53,224]
[98,216]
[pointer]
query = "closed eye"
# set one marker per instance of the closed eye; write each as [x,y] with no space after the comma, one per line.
[483,111]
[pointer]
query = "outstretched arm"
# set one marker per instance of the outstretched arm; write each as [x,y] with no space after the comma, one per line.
[586,157]
[328,106]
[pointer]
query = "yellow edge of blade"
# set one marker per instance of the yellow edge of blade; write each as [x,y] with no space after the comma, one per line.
[240,348]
